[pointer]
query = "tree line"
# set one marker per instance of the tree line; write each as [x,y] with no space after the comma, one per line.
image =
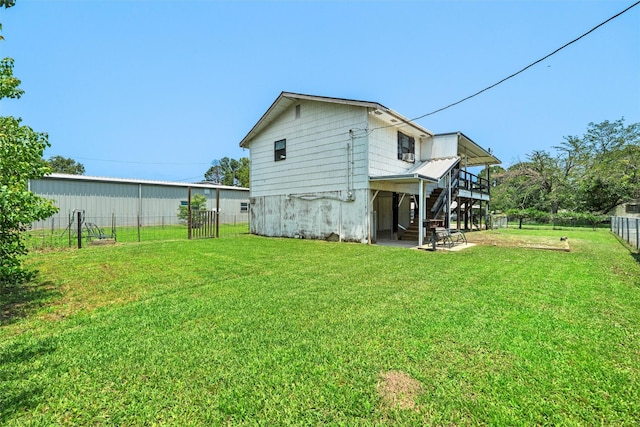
[591,174]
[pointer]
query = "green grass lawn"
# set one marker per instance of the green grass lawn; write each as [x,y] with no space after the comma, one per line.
[258,331]
[56,239]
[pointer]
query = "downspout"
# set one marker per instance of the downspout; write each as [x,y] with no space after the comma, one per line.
[349,145]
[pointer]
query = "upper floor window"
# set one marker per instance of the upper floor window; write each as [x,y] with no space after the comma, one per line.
[280,150]
[406,147]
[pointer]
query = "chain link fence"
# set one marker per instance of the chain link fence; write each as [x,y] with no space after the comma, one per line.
[60,231]
[627,228]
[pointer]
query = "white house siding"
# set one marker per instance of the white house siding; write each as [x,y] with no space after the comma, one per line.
[316,151]
[439,146]
[383,148]
[320,190]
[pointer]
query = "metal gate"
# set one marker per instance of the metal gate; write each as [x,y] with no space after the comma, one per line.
[203,224]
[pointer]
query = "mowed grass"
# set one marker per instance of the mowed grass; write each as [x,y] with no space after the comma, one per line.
[259,331]
[57,239]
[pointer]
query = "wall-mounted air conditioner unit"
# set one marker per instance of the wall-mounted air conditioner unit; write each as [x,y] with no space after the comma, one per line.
[409,157]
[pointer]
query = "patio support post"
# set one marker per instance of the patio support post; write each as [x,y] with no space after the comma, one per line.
[486,216]
[448,205]
[488,169]
[422,214]
[458,213]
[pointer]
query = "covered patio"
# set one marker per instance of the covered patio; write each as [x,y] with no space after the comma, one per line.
[430,193]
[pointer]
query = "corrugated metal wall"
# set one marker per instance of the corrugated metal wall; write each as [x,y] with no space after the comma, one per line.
[130,202]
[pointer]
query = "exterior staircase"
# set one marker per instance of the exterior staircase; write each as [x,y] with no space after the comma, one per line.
[411,233]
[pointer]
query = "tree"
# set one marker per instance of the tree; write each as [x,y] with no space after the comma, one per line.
[21,151]
[612,170]
[515,189]
[198,203]
[61,164]
[242,175]
[589,174]
[214,174]
[230,172]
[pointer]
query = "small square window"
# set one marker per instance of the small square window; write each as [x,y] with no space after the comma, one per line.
[280,150]
[406,147]
[244,207]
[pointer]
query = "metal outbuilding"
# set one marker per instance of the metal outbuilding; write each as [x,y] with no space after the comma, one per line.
[133,201]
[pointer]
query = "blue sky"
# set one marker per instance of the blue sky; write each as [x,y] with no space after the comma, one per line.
[159,89]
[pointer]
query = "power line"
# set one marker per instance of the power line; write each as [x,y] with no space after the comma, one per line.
[139,163]
[522,70]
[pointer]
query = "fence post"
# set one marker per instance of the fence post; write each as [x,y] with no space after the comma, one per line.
[189,213]
[79,230]
[637,233]
[217,218]
[628,235]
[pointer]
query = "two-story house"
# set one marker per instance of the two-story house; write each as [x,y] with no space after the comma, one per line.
[341,169]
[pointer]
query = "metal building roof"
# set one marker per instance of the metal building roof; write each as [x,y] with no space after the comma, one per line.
[64,176]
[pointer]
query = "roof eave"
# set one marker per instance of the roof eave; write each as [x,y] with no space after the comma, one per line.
[299,96]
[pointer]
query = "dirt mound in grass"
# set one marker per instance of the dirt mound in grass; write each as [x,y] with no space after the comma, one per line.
[398,390]
[496,238]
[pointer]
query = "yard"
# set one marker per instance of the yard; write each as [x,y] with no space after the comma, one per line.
[257,331]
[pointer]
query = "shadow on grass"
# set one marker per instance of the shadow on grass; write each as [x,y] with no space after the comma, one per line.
[19,300]
[635,253]
[21,363]
[21,356]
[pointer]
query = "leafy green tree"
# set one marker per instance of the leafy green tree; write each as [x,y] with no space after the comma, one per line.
[21,150]
[230,172]
[242,174]
[9,85]
[214,174]
[61,164]
[513,189]
[198,203]
[593,173]
[612,170]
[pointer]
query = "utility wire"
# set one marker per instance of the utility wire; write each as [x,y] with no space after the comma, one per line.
[139,163]
[522,70]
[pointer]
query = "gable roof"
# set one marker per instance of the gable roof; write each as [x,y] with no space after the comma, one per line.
[286,99]
[472,154]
